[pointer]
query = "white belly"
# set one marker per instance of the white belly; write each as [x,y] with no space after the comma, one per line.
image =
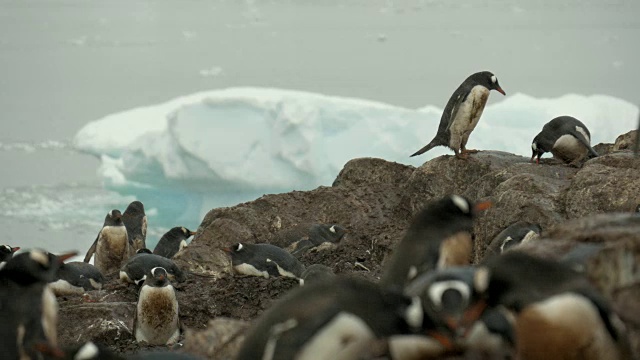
[567,148]
[157,316]
[468,115]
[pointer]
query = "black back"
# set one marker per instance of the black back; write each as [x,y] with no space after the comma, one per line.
[169,244]
[516,231]
[141,264]
[134,220]
[258,254]
[554,129]
[78,273]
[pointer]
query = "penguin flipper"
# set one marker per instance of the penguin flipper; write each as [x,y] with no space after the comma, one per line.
[92,249]
[584,142]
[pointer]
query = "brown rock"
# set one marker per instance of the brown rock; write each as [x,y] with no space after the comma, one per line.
[221,339]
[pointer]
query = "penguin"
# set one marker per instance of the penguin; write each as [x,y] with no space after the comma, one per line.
[264,260]
[75,278]
[333,319]
[135,270]
[566,137]
[6,253]
[90,351]
[462,113]
[143,251]
[561,319]
[316,272]
[439,236]
[111,246]
[157,319]
[520,232]
[30,309]
[135,220]
[318,235]
[173,241]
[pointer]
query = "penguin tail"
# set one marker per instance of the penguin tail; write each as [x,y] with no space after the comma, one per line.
[592,153]
[426,148]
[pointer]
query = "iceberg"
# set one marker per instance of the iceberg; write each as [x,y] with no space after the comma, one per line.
[222,147]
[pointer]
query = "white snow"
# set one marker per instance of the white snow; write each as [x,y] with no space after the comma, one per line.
[239,143]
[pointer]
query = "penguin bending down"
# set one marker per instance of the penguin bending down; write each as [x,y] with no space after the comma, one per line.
[334,319]
[111,246]
[157,319]
[135,270]
[439,236]
[462,113]
[135,220]
[74,278]
[30,309]
[173,241]
[560,319]
[6,253]
[264,260]
[566,137]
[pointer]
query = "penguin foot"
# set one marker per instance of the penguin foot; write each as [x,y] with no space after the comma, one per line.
[469,151]
[462,155]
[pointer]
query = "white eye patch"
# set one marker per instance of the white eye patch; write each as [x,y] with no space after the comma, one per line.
[494,79]
[437,290]
[461,203]
[239,247]
[333,229]
[40,257]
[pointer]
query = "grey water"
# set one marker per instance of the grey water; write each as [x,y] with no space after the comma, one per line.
[68,62]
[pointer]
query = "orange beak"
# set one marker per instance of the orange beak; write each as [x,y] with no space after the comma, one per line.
[66,256]
[14,249]
[227,249]
[473,313]
[499,89]
[442,339]
[482,206]
[192,233]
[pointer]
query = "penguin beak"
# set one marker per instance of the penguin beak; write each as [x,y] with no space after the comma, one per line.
[442,339]
[482,206]
[499,89]
[227,250]
[471,315]
[49,350]
[66,256]
[192,233]
[14,249]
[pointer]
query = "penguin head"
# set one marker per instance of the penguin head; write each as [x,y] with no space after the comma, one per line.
[135,208]
[536,150]
[488,80]
[6,252]
[237,248]
[113,218]
[186,233]
[456,206]
[34,266]
[158,278]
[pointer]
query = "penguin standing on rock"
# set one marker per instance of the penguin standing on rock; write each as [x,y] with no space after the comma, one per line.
[111,247]
[157,319]
[135,220]
[566,137]
[74,278]
[29,308]
[561,319]
[264,260]
[173,241]
[6,253]
[439,236]
[462,113]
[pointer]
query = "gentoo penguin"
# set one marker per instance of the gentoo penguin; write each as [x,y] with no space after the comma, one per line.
[560,319]
[135,220]
[264,260]
[30,310]
[332,319]
[111,247]
[439,236]
[135,270]
[566,137]
[517,233]
[173,241]
[319,235]
[143,251]
[6,252]
[157,319]
[316,272]
[90,351]
[462,113]
[76,277]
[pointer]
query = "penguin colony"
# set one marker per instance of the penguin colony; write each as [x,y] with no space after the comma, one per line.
[429,302]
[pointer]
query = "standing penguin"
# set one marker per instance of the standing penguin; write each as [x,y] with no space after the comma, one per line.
[6,253]
[566,137]
[135,220]
[74,278]
[439,236]
[29,308]
[462,113]
[157,319]
[173,241]
[264,260]
[111,247]
[561,319]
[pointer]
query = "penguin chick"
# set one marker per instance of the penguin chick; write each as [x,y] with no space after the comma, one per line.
[566,137]
[135,270]
[156,319]
[329,320]
[462,113]
[111,246]
[439,236]
[173,241]
[264,260]
[30,309]
[74,278]
[135,221]
[6,253]
[520,232]
[560,319]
